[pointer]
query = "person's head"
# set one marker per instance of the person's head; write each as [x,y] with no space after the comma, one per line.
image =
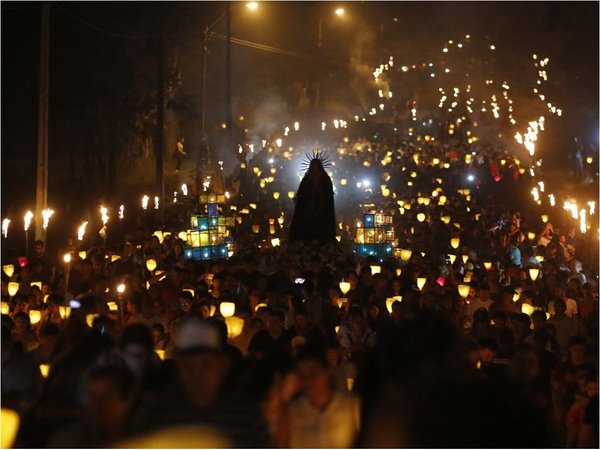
[198,355]
[158,333]
[488,349]
[204,309]
[186,300]
[312,368]
[22,322]
[111,393]
[499,319]
[524,365]
[38,247]
[538,319]
[356,321]
[136,347]
[560,307]
[577,350]
[274,322]
[49,334]
[301,319]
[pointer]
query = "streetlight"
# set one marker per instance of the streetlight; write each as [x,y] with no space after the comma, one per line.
[206,36]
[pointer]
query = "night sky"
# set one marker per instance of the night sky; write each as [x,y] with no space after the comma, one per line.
[103,71]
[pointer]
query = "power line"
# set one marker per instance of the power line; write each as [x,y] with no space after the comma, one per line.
[101,30]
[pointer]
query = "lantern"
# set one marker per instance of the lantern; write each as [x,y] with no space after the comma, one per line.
[114,258]
[9,269]
[275,195]
[454,242]
[159,234]
[227,309]
[468,277]
[13,288]
[527,309]
[82,254]
[90,319]
[235,326]
[35,316]
[345,287]
[260,305]
[151,264]
[452,258]
[36,283]
[544,218]
[160,353]
[446,219]
[421,282]
[465,258]
[375,269]
[421,217]
[516,296]
[5,308]
[405,254]
[255,229]
[112,306]
[463,290]
[487,265]
[398,271]
[44,370]
[534,273]
[121,288]
[64,311]
[275,242]
[9,421]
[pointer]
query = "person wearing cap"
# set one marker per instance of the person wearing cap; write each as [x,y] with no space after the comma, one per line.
[194,391]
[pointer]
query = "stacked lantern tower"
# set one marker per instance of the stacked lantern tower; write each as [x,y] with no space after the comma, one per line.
[375,236]
[209,236]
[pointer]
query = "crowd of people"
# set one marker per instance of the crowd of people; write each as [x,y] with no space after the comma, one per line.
[123,354]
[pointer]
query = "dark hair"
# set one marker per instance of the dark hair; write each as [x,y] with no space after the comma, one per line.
[50,329]
[137,333]
[186,295]
[278,314]
[118,375]
[486,342]
[158,327]
[311,352]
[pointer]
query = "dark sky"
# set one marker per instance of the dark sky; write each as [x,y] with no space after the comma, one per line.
[96,47]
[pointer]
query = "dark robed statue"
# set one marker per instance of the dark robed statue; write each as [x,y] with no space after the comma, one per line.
[314,215]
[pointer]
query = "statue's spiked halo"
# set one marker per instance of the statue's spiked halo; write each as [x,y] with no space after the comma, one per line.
[323,158]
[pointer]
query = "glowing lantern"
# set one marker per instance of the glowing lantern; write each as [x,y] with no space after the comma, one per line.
[36,283]
[452,258]
[343,182]
[121,288]
[487,265]
[544,218]
[534,273]
[90,319]
[527,309]
[5,308]
[531,235]
[468,277]
[227,309]
[390,301]
[44,370]
[9,423]
[375,269]
[398,271]
[421,217]
[516,296]
[465,258]
[454,242]
[275,242]
[421,282]
[112,306]
[160,353]
[540,258]
[35,316]
[151,264]
[9,269]
[291,194]
[405,254]
[13,288]
[114,258]
[255,229]
[83,254]
[463,290]
[275,195]
[64,311]
[235,326]
[345,286]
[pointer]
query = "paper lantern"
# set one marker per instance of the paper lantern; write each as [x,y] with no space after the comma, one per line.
[82,254]
[421,282]
[9,269]
[151,264]
[465,258]
[468,277]
[160,353]
[13,288]
[446,219]
[291,194]
[531,235]
[398,271]
[534,273]
[452,258]
[375,269]
[112,306]
[114,258]
[344,287]
[454,242]
[421,217]
[5,308]
[275,242]
[227,309]
[235,326]
[405,254]
[35,316]
[275,195]
[544,218]
[64,311]
[463,290]
[487,265]
[255,229]
[90,319]
[159,234]
[36,283]
[516,296]
[44,370]
[9,423]
[527,309]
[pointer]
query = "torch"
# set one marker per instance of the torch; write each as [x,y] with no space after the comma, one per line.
[27,222]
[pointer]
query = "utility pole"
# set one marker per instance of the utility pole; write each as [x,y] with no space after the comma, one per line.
[160,118]
[41,193]
[229,112]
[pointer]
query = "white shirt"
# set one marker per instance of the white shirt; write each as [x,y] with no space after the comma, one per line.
[571,307]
